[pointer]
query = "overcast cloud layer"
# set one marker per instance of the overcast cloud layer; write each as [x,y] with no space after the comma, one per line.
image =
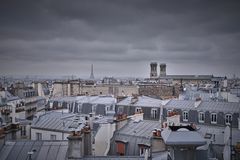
[120,37]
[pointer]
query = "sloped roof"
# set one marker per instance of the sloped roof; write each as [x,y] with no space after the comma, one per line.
[180,104]
[86,99]
[8,96]
[49,150]
[54,150]
[182,138]
[226,107]
[57,121]
[141,101]
[136,133]
[211,106]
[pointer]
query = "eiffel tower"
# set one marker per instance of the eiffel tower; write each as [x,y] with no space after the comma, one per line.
[92,76]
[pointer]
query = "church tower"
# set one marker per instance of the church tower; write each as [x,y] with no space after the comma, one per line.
[153,72]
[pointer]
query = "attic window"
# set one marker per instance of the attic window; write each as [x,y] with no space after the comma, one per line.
[228,119]
[154,113]
[214,118]
[185,116]
[144,150]
[138,110]
[201,117]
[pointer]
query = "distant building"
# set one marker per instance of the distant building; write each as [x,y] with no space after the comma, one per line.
[80,87]
[180,78]
[205,112]
[161,91]
[99,105]
[153,71]
[149,106]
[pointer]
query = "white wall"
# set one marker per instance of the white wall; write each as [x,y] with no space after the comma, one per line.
[102,139]
[47,134]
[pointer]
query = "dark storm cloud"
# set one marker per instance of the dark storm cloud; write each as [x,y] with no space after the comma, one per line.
[118,35]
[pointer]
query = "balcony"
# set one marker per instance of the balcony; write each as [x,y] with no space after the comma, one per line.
[19,109]
[6,111]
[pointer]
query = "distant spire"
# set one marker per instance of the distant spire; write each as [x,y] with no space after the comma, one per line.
[92,76]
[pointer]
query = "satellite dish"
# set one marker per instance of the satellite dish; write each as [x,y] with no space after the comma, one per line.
[226,152]
[226,135]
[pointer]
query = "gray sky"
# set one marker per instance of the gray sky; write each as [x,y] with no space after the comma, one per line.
[120,37]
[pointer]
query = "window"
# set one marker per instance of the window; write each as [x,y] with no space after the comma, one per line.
[120,109]
[138,110]
[154,113]
[143,151]
[59,104]
[94,108]
[23,130]
[201,117]
[168,112]
[52,137]
[185,116]
[214,118]
[228,119]
[38,136]
[121,148]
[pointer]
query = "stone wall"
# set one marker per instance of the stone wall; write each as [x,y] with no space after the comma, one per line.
[158,90]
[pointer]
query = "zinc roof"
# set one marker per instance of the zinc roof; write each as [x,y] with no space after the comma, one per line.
[57,121]
[143,101]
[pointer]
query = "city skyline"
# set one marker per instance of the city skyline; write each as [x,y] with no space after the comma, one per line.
[120,38]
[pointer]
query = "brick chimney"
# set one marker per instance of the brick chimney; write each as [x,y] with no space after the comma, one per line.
[79,143]
[75,145]
[120,120]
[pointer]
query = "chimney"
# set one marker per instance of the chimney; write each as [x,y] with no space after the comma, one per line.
[79,143]
[134,99]
[120,120]
[161,116]
[87,140]
[137,117]
[91,117]
[75,145]
[197,102]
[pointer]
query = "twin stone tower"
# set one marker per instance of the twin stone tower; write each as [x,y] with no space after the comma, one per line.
[154,73]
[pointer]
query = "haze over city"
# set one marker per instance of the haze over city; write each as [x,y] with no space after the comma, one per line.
[120,38]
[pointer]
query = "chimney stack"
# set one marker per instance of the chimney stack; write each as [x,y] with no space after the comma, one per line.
[80,143]
[75,145]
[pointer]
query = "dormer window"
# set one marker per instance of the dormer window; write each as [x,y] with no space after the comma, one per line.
[201,117]
[154,113]
[143,150]
[138,110]
[169,112]
[185,116]
[228,119]
[214,118]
